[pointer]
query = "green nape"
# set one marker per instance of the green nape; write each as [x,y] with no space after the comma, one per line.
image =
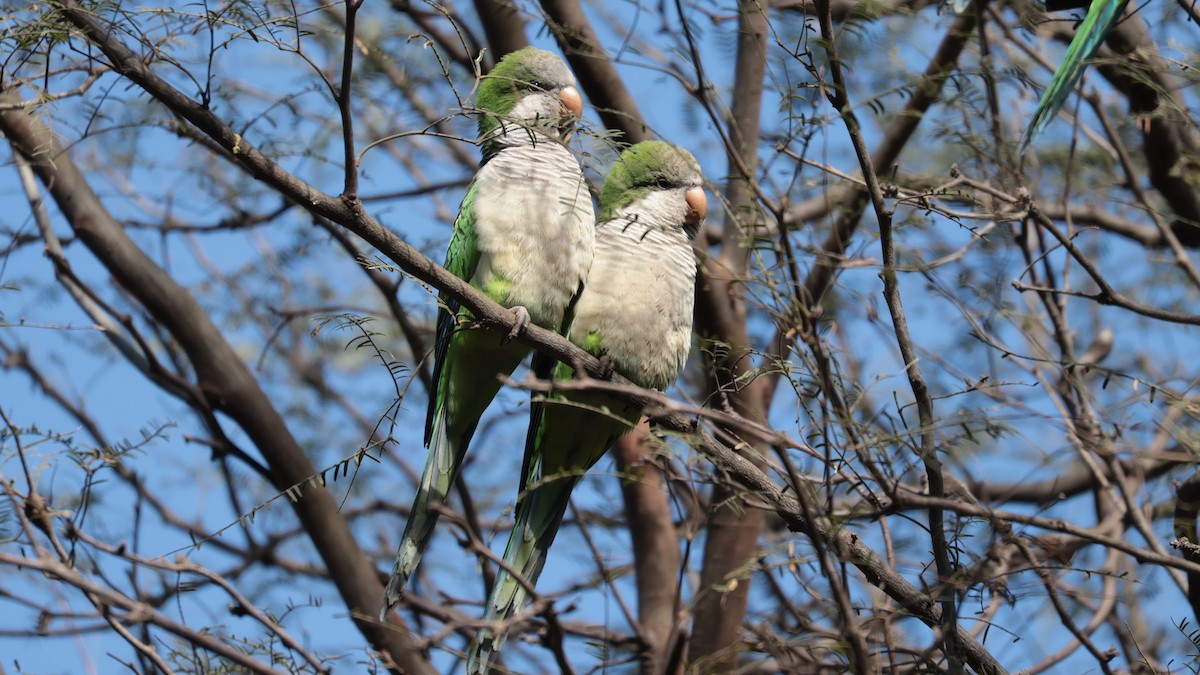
[641,168]
[500,89]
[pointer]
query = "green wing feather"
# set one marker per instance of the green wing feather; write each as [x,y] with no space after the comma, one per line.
[441,465]
[462,257]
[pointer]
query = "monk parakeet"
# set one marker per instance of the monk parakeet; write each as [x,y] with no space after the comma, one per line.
[524,236]
[1102,16]
[635,311]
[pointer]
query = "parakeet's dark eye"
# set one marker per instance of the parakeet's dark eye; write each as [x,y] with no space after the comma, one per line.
[662,183]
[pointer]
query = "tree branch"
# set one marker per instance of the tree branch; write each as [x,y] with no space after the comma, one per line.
[594,68]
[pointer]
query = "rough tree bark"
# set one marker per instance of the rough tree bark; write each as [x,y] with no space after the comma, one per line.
[736,519]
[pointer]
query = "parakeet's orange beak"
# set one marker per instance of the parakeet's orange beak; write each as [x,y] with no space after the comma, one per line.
[571,100]
[697,206]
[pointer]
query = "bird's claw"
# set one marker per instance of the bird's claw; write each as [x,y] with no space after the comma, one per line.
[519,327]
[606,367]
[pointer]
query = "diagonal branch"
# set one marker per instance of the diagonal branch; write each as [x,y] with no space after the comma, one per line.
[594,68]
[503,25]
[839,97]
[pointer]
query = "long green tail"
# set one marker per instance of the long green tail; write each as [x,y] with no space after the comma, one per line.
[538,518]
[1101,17]
[467,383]
[566,437]
[441,470]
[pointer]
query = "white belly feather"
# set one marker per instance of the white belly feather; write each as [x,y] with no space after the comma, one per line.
[639,296]
[535,228]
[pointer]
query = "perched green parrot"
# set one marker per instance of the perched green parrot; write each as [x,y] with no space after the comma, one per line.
[635,311]
[524,236]
[1102,16]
